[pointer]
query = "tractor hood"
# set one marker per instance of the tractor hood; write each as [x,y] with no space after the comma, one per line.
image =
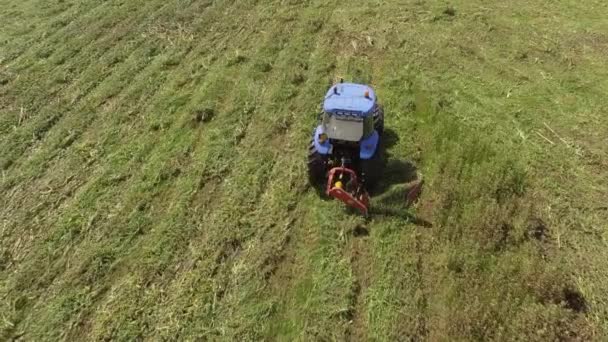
[350,99]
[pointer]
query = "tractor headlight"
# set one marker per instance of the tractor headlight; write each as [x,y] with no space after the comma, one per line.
[322,138]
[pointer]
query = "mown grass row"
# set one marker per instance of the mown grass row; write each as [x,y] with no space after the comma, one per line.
[153,180]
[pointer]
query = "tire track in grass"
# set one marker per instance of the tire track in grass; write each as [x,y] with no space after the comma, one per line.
[361,61]
[365,69]
[269,264]
[360,260]
[373,279]
[357,255]
[422,326]
[379,272]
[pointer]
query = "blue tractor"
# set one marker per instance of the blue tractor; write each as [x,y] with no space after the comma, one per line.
[345,153]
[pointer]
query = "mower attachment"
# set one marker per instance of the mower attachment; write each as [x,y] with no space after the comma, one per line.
[342,184]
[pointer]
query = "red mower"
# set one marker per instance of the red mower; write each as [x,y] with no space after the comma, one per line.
[343,185]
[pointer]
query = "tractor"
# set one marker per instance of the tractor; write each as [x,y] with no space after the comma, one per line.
[345,153]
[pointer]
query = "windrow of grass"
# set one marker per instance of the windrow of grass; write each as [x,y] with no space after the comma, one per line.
[153,178]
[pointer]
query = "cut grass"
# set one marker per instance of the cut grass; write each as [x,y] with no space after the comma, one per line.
[153,182]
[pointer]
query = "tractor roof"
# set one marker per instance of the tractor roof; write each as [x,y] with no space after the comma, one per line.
[350,98]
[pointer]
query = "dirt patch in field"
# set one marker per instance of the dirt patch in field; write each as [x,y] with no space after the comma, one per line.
[360,231]
[203,199]
[558,289]
[574,300]
[504,233]
[202,115]
[537,229]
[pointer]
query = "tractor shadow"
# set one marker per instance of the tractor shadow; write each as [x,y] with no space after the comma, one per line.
[390,138]
[390,195]
[395,171]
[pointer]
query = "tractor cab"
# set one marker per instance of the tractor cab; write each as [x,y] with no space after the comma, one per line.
[348,117]
[347,111]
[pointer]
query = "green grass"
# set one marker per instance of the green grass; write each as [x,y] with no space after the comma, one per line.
[153,179]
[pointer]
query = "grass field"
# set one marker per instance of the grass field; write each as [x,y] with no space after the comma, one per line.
[153,178]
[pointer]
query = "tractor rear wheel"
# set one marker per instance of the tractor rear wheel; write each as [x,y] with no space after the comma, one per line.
[379,119]
[317,166]
[371,169]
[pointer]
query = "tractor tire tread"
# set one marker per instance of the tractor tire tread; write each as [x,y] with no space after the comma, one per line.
[379,119]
